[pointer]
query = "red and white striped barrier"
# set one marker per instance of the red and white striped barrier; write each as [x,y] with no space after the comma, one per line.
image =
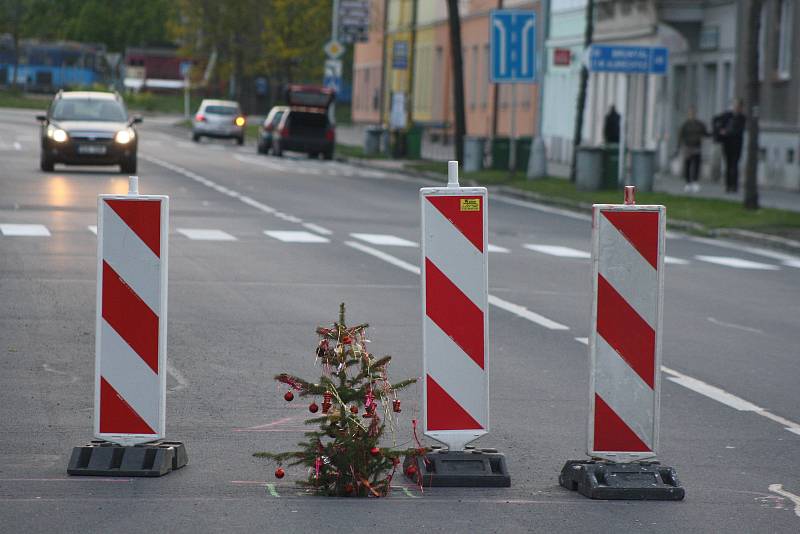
[455,341]
[131,328]
[625,342]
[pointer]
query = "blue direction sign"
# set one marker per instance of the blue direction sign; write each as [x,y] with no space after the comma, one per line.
[513,46]
[628,59]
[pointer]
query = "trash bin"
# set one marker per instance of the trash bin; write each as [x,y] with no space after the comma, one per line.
[523,153]
[501,147]
[610,174]
[589,171]
[372,140]
[473,153]
[643,169]
[398,144]
[414,142]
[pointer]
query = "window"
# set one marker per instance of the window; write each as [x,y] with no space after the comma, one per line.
[785,39]
[790,156]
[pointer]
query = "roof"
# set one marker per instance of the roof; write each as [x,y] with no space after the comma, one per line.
[88,94]
[212,102]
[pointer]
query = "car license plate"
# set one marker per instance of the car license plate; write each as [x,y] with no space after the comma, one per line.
[91,149]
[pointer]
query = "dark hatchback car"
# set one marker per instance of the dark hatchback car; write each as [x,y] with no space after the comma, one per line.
[306,127]
[88,128]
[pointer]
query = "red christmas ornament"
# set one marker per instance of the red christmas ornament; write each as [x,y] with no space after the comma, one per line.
[325,407]
[347,340]
[396,405]
[354,409]
[279,473]
[313,407]
[411,470]
[374,451]
[289,396]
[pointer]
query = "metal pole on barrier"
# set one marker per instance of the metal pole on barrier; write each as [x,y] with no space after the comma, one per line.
[455,345]
[625,358]
[130,341]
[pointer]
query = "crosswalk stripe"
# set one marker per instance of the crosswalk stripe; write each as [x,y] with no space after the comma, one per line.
[385,239]
[24,230]
[498,249]
[737,263]
[294,236]
[558,250]
[206,234]
[675,261]
[92,228]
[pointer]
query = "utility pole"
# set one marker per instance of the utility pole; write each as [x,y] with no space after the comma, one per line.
[587,42]
[382,96]
[411,61]
[458,76]
[751,102]
[537,163]
[495,93]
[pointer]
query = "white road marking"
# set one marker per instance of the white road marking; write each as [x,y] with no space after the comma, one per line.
[735,326]
[296,236]
[264,162]
[317,228]
[287,217]
[584,340]
[206,234]
[737,263]
[179,378]
[558,250]
[498,249]
[385,240]
[17,146]
[24,230]
[792,263]
[728,399]
[541,207]
[771,254]
[92,228]
[778,488]
[675,261]
[516,309]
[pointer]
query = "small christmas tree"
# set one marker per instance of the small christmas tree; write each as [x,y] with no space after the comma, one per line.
[344,455]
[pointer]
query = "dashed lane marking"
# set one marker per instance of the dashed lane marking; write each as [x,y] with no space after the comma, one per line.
[206,234]
[296,236]
[92,228]
[787,259]
[24,230]
[737,263]
[516,309]
[675,261]
[735,326]
[385,240]
[558,250]
[498,249]
[317,228]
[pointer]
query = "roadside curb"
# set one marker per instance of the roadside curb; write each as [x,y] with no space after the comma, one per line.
[583,207]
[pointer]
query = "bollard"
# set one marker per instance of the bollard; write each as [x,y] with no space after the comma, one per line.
[625,358]
[130,341]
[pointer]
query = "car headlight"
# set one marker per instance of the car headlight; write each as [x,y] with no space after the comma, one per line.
[124,137]
[239,121]
[56,134]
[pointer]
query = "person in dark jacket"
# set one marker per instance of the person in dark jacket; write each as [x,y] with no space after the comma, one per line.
[729,131]
[690,138]
[611,126]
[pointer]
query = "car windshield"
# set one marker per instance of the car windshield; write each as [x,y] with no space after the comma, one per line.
[87,109]
[222,110]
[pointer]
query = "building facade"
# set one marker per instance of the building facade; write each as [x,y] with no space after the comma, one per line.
[412,58]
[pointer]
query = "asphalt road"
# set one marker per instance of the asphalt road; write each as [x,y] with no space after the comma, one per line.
[244,308]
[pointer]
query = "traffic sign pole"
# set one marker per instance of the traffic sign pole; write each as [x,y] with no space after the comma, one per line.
[512,157]
[623,137]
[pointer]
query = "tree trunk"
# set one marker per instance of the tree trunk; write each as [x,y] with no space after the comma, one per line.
[576,138]
[458,76]
[751,102]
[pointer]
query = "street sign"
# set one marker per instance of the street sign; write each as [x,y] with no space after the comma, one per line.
[400,55]
[626,59]
[513,46]
[333,49]
[354,20]
[185,66]
[332,78]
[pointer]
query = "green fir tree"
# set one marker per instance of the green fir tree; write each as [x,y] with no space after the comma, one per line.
[344,455]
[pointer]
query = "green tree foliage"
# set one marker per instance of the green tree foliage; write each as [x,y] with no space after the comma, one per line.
[344,455]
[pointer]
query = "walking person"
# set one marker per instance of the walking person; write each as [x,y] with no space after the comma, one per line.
[690,138]
[729,131]
[611,126]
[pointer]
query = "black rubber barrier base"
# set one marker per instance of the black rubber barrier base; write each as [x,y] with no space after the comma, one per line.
[102,458]
[638,481]
[471,468]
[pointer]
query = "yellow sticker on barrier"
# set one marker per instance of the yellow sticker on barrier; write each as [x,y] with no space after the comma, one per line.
[470,204]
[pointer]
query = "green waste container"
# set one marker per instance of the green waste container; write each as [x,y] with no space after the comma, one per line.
[610,175]
[501,149]
[414,142]
[523,153]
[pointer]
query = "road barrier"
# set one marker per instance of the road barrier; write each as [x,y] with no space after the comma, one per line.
[130,341]
[455,342]
[625,357]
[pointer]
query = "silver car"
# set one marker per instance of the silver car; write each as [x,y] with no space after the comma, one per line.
[219,118]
